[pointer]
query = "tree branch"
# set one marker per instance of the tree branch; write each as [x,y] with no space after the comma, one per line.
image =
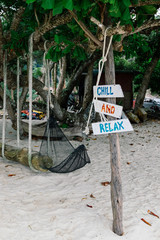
[17,18]
[72,83]
[52,23]
[144,3]
[126,29]
[85,29]
[146,25]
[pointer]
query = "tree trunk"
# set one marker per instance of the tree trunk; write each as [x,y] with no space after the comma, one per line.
[10,109]
[40,163]
[88,86]
[21,103]
[58,111]
[62,66]
[73,81]
[146,79]
[116,183]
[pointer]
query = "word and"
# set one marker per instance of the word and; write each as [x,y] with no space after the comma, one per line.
[108,108]
[122,125]
[104,91]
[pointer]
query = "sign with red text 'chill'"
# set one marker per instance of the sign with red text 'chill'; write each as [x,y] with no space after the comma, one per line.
[117,126]
[108,91]
[108,108]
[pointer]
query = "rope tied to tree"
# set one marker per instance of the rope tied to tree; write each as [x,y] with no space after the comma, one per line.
[100,69]
[18,113]
[30,78]
[4,100]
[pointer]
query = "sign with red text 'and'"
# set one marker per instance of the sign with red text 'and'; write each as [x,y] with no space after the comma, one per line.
[108,91]
[116,126]
[108,108]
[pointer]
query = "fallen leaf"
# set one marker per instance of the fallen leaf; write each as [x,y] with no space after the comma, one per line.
[30,227]
[36,146]
[84,198]
[105,183]
[152,213]
[92,196]
[89,206]
[94,138]
[8,166]
[11,175]
[128,163]
[77,138]
[146,222]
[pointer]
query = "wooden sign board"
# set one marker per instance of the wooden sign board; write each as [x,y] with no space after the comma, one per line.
[108,108]
[117,126]
[108,91]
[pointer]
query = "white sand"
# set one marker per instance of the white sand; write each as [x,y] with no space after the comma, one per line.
[50,206]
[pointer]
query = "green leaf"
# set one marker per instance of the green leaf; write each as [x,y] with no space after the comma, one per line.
[30,1]
[117,38]
[67,49]
[59,38]
[83,4]
[126,15]
[127,3]
[68,4]
[48,4]
[58,7]
[111,1]
[57,49]
[79,53]
[145,48]
[149,9]
[54,54]
[115,10]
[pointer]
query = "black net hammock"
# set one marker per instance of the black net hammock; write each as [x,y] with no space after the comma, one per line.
[57,147]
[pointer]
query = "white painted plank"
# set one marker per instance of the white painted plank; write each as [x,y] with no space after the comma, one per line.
[108,91]
[116,126]
[108,108]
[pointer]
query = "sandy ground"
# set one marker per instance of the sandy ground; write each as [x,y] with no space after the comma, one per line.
[50,206]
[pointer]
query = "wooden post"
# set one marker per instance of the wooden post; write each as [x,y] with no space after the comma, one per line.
[116,183]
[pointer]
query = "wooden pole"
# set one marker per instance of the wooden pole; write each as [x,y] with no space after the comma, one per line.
[116,183]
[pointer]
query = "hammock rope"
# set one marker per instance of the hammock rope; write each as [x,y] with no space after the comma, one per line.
[4,101]
[18,110]
[30,79]
[47,78]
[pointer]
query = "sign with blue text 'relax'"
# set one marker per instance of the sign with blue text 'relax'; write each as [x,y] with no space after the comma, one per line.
[108,108]
[117,126]
[108,91]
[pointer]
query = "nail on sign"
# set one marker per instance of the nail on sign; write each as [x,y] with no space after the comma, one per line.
[107,91]
[108,108]
[122,125]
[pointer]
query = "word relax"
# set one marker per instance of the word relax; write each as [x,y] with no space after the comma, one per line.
[122,125]
[106,127]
